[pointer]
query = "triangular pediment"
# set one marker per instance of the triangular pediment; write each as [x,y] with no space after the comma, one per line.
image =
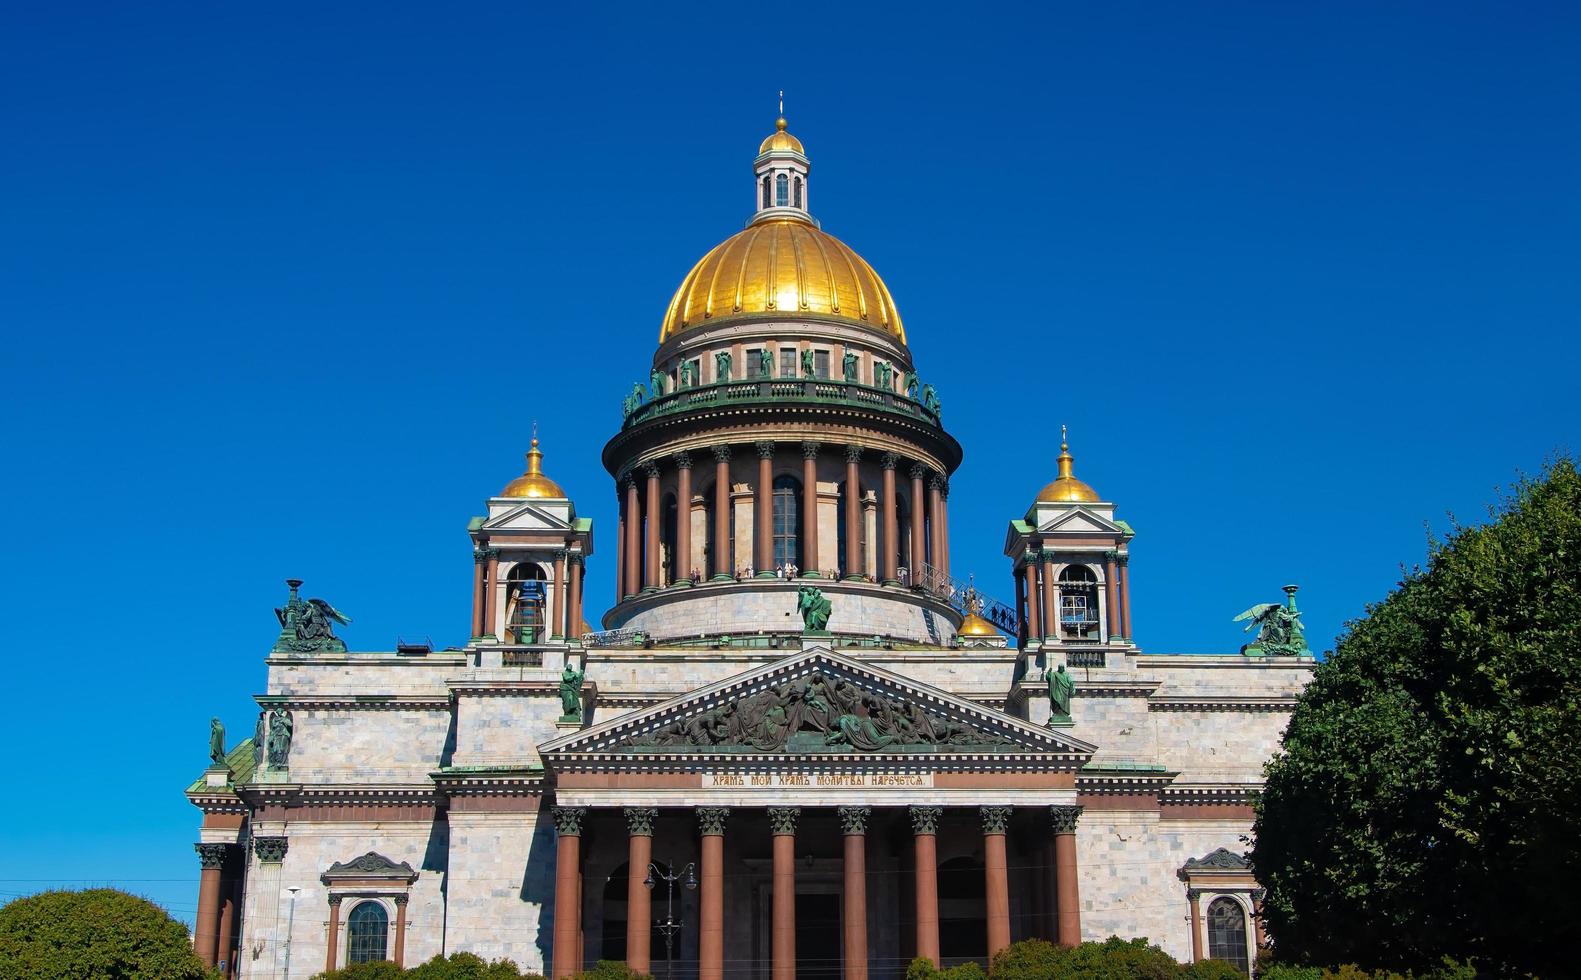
[530,516]
[1079,520]
[816,704]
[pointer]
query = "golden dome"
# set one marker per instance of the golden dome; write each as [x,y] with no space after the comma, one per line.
[781,140]
[533,483]
[782,267]
[1066,489]
[975,625]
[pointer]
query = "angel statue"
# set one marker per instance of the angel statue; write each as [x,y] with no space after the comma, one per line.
[814,608]
[634,400]
[1279,631]
[307,626]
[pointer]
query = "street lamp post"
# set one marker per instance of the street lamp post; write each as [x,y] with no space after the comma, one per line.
[671,925]
[290,923]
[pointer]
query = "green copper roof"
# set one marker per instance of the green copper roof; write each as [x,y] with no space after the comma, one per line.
[475,523]
[240,760]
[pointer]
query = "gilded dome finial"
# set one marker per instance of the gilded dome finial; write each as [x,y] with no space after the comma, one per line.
[1066,488]
[533,483]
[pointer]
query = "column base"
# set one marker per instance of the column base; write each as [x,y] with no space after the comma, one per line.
[568,721]
[854,578]
[722,577]
[649,590]
[765,575]
[681,583]
[893,583]
[811,575]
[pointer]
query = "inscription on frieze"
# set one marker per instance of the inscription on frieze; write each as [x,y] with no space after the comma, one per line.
[817,780]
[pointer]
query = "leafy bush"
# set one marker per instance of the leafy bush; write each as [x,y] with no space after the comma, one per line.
[611,970]
[1211,970]
[466,966]
[377,970]
[97,933]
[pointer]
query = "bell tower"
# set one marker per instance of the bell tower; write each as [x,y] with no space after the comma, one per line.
[1069,556]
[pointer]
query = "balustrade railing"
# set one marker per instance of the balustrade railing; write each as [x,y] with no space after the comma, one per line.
[765,390]
[966,597]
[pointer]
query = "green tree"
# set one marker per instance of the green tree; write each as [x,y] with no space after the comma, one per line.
[98,934]
[1427,800]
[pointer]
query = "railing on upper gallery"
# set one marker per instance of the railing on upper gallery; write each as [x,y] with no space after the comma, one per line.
[966,597]
[770,390]
[613,638]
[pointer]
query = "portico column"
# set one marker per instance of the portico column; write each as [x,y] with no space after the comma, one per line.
[1194,903]
[567,891]
[1066,891]
[333,949]
[1051,612]
[400,931]
[722,569]
[620,544]
[996,877]
[935,510]
[222,950]
[1034,600]
[205,931]
[853,513]
[655,518]
[782,822]
[683,517]
[711,903]
[639,900]
[918,525]
[1257,918]
[1111,595]
[491,578]
[633,538]
[853,824]
[1125,597]
[763,522]
[924,830]
[573,628]
[479,558]
[809,510]
[888,572]
[557,626]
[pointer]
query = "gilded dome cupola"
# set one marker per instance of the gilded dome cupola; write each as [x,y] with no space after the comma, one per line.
[1065,488]
[533,483]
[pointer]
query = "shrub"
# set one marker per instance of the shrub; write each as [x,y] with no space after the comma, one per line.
[611,970]
[98,933]
[1211,970]
[377,970]
[466,966]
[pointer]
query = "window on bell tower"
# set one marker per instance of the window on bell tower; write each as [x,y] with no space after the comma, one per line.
[765,190]
[781,190]
[798,192]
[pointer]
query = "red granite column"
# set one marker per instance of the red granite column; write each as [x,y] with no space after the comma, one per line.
[332,950]
[230,895]
[683,517]
[566,955]
[763,516]
[1051,627]
[853,513]
[1066,890]
[655,518]
[479,557]
[573,628]
[633,539]
[809,509]
[620,546]
[944,526]
[1194,903]
[711,901]
[557,626]
[924,829]
[491,577]
[853,824]
[1111,595]
[639,900]
[722,543]
[782,821]
[1125,596]
[1029,570]
[205,932]
[919,546]
[936,521]
[996,877]
[400,932]
[888,570]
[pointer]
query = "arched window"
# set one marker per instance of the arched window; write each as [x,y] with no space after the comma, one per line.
[798,191]
[526,592]
[1078,602]
[1227,933]
[765,190]
[787,521]
[963,911]
[367,933]
[781,190]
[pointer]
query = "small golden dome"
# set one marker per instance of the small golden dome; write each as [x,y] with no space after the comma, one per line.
[533,483]
[1066,489]
[783,268]
[975,625]
[781,140]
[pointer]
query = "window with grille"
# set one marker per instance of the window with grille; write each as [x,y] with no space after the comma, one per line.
[367,933]
[1227,933]
[755,360]
[798,192]
[820,363]
[787,521]
[782,190]
[787,362]
[765,190]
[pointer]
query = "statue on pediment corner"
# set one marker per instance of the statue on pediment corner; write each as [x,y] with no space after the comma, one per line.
[307,625]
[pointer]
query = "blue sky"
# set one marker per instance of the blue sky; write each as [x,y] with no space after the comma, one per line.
[284,288]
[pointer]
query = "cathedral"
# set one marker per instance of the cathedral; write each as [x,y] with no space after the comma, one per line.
[796,744]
